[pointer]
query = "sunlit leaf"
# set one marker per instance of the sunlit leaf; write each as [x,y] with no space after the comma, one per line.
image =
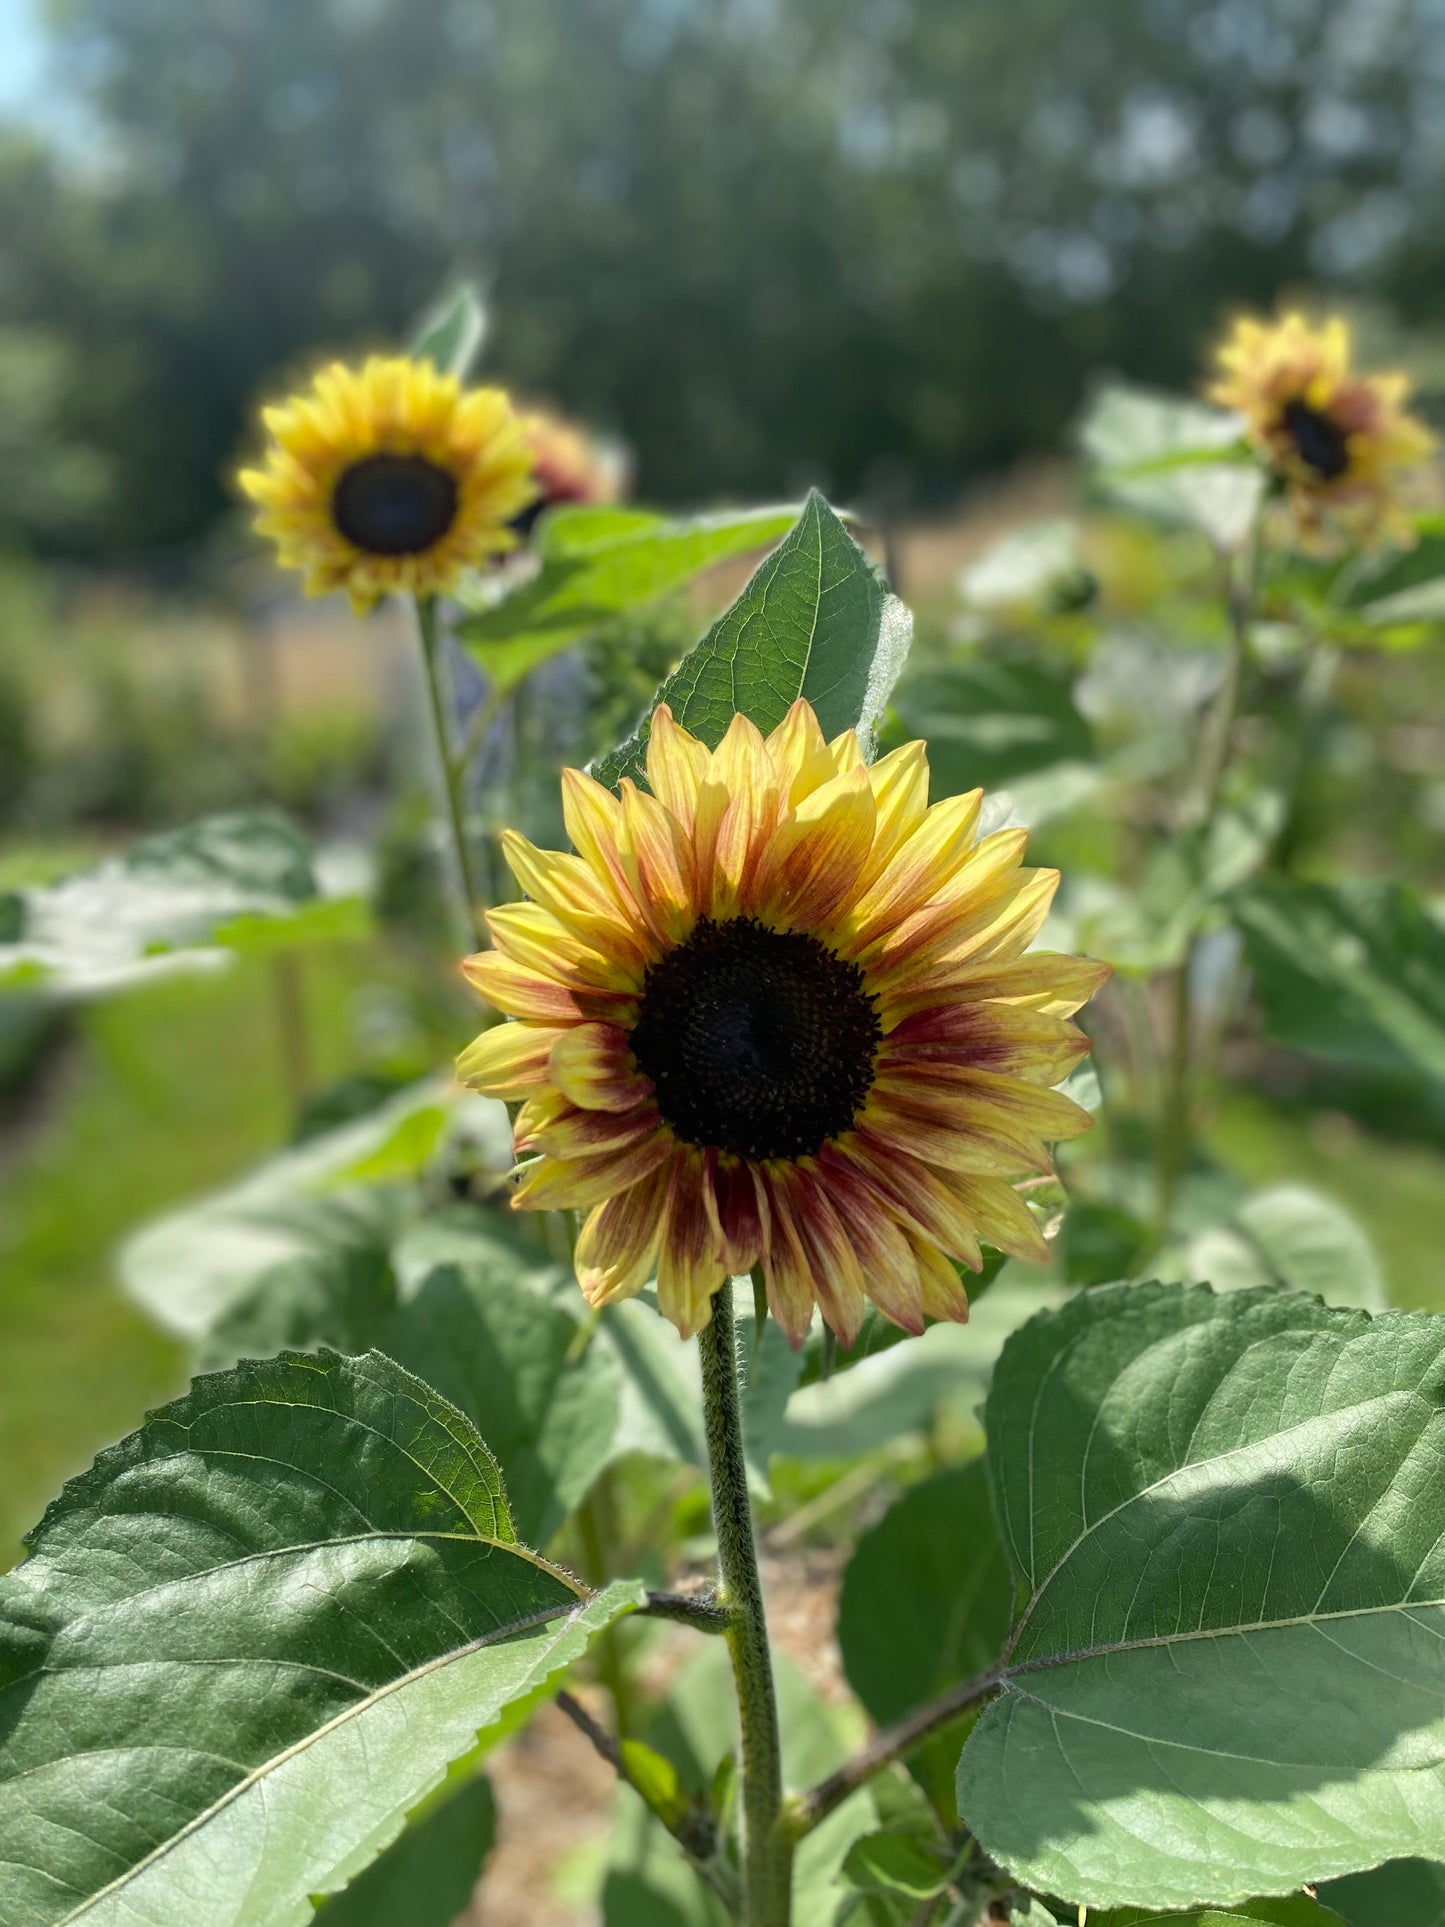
[816,620]
[595,565]
[1226,1516]
[994,720]
[1296,1237]
[252,1637]
[1173,460]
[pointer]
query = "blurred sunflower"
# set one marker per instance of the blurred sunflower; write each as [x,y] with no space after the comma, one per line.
[777,1011]
[1337,441]
[569,464]
[390,477]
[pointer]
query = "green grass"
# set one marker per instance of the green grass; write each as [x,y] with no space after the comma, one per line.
[166,1092]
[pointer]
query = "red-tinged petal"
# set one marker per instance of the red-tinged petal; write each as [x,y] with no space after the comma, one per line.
[576,1184]
[676,765]
[574,1133]
[658,862]
[509,1060]
[617,1246]
[984,1037]
[931,858]
[518,990]
[1002,1218]
[532,936]
[886,1261]
[810,865]
[786,1267]
[937,1127]
[567,887]
[736,811]
[594,1065]
[689,1269]
[959,934]
[941,1290]
[736,1208]
[921,1197]
[827,1250]
[1046,981]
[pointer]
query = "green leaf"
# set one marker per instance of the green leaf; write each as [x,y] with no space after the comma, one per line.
[1287,1910]
[1175,461]
[187,1269]
[1402,1893]
[167,904]
[1295,1237]
[252,1637]
[896,1863]
[426,1877]
[816,620]
[1354,971]
[596,564]
[925,1605]
[1227,1522]
[451,333]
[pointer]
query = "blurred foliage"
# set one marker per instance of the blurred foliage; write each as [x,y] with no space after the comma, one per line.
[879,243]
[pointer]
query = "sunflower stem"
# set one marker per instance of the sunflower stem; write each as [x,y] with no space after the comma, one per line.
[767,1841]
[473,903]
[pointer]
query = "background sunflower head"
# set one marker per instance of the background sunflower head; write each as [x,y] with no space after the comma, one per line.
[776,1011]
[1337,441]
[569,464]
[390,477]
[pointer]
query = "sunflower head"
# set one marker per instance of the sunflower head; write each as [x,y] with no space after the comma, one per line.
[390,477]
[569,464]
[1336,441]
[775,1010]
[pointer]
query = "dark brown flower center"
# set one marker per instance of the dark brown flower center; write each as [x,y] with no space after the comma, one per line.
[394,504]
[1319,441]
[760,1042]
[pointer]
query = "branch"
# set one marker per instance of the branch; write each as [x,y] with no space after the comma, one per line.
[885,1747]
[695,1833]
[699,1609]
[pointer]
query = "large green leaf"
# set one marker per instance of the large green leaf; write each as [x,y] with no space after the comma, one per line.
[1349,970]
[173,901]
[816,620]
[251,1638]
[932,1567]
[476,1331]
[1285,1910]
[596,564]
[1226,1517]
[425,1878]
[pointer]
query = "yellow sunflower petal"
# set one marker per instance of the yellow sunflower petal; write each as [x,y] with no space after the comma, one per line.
[539,940]
[509,1060]
[736,810]
[568,889]
[689,1270]
[617,1246]
[676,765]
[935,853]
[941,1291]
[593,1064]
[657,859]
[521,991]
[576,1184]
[811,862]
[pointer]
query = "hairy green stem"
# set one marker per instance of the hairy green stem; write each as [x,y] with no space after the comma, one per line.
[473,901]
[767,1840]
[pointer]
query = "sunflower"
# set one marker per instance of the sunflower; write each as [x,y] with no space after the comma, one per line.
[390,477]
[569,464]
[775,1010]
[1335,440]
